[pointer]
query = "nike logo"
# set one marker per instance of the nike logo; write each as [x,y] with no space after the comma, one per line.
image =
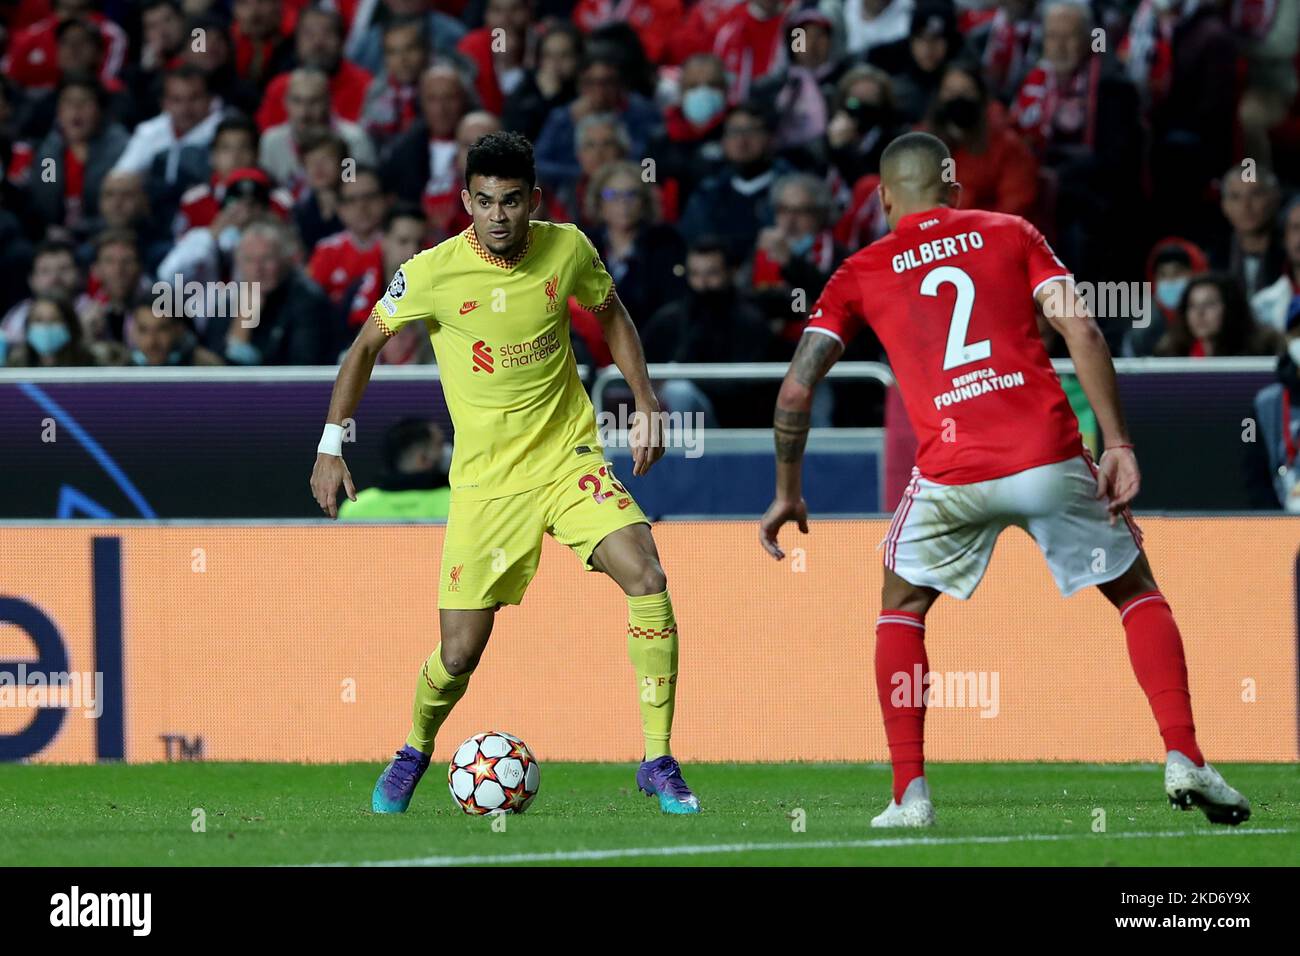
[468,307]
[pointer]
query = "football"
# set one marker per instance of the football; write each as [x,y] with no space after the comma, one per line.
[493,773]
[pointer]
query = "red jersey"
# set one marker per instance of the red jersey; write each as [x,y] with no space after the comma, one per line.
[950,295]
[348,88]
[337,261]
[32,60]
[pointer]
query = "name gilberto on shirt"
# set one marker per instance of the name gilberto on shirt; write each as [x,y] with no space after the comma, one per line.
[936,249]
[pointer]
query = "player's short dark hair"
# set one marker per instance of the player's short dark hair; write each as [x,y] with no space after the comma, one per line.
[916,142]
[404,435]
[236,123]
[404,210]
[503,154]
[709,244]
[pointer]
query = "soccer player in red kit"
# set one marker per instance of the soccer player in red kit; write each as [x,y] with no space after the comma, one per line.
[951,294]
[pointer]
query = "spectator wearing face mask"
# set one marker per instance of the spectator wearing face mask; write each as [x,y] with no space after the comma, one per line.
[161,340]
[54,274]
[53,339]
[863,122]
[997,171]
[1214,320]
[1172,263]
[690,147]
[414,485]
[1273,303]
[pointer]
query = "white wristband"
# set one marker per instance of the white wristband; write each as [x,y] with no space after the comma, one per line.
[331,441]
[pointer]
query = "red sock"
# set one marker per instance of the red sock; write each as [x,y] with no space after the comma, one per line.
[1156,650]
[900,650]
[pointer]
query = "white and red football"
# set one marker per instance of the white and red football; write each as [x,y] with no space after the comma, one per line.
[493,773]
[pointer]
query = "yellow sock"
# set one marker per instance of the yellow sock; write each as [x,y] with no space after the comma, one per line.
[435,695]
[652,645]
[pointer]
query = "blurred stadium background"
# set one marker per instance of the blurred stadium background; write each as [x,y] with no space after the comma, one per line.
[161,156]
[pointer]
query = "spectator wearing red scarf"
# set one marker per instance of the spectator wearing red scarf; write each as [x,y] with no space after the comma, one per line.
[1080,117]
[392,101]
[1008,43]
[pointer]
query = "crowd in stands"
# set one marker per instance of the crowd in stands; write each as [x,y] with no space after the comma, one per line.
[722,155]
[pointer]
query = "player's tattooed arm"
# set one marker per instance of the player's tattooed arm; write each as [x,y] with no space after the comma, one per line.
[791,434]
[813,358]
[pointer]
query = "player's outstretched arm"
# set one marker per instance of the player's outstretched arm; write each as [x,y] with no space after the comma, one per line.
[812,360]
[1118,475]
[330,471]
[620,333]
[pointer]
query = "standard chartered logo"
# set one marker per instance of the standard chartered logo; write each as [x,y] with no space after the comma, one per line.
[516,354]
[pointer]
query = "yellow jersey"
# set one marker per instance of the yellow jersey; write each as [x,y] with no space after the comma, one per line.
[500,332]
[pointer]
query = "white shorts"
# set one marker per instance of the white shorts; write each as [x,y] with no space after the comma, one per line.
[942,536]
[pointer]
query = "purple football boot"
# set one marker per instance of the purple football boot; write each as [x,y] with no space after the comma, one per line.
[662,778]
[395,785]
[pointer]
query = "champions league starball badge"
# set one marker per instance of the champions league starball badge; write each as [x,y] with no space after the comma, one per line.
[397,288]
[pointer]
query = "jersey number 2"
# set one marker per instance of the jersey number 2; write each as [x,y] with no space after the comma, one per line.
[959,351]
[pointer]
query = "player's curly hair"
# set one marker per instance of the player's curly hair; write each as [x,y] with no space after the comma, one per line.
[505,155]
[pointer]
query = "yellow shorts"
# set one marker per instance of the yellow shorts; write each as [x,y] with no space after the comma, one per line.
[492,547]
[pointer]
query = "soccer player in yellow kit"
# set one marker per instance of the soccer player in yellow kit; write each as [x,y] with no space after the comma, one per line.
[527,457]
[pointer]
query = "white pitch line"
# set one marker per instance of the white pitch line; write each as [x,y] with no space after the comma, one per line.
[569,856]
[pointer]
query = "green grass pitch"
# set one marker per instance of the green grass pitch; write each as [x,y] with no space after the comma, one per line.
[754,814]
